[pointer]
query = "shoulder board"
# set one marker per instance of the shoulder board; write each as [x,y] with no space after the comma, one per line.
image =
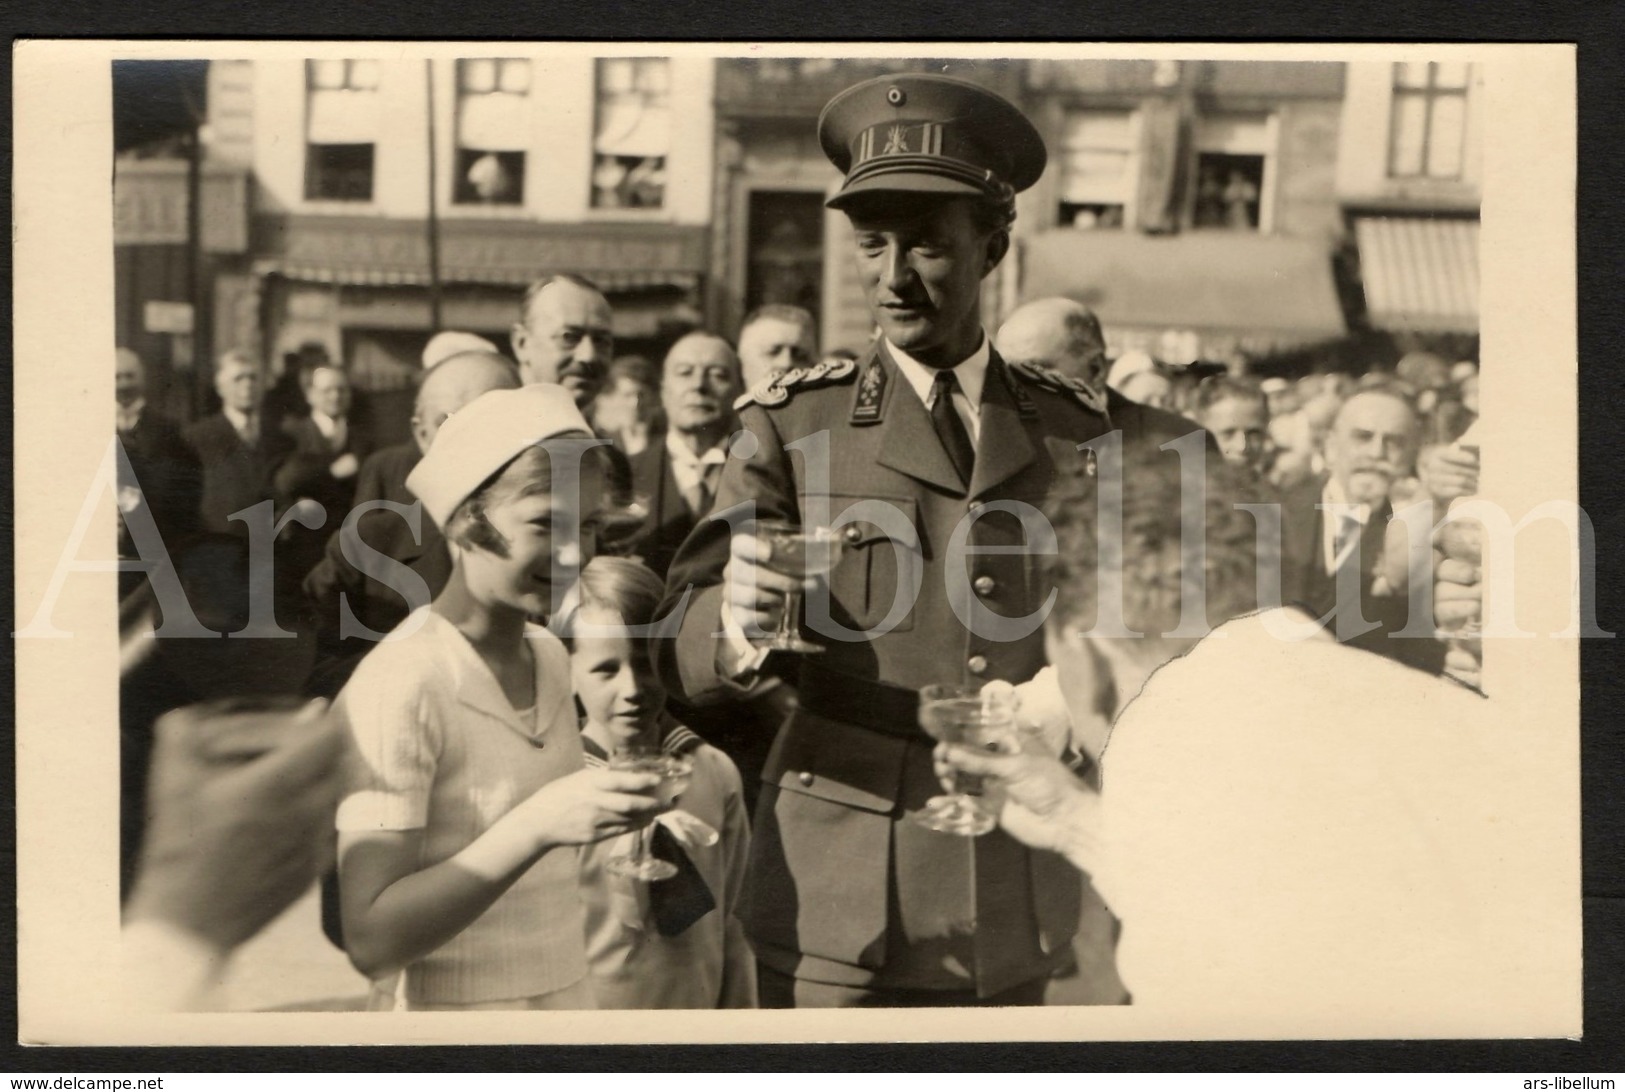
[776,391]
[1052,380]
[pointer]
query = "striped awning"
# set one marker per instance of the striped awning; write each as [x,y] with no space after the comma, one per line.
[1420,273]
[383,252]
[384,276]
[1227,291]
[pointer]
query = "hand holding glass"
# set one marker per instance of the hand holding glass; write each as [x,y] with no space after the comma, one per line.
[966,714]
[674,772]
[799,552]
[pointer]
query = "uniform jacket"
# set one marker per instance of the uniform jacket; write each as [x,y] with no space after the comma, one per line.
[670,517]
[845,887]
[1306,583]
[236,474]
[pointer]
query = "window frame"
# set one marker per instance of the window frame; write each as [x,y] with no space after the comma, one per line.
[348,84]
[653,211]
[1429,94]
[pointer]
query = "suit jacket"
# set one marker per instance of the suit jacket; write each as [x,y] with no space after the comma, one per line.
[1306,583]
[236,474]
[670,518]
[167,471]
[306,472]
[375,603]
[845,887]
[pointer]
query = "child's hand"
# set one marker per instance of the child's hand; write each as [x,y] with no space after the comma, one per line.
[589,806]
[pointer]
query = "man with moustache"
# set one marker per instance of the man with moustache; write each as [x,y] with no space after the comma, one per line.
[1337,525]
[564,336]
[850,901]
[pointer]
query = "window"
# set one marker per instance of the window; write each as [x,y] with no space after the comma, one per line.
[493,131]
[1099,168]
[634,133]
[341,129]
[1233,153]
[1429,130]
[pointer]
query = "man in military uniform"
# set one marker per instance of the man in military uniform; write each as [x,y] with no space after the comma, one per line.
[922,455]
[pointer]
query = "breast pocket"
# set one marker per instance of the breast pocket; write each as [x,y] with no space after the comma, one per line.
[875,583]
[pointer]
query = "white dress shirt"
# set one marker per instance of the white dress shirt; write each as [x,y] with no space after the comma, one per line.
[335,430]
[970,372]
[1338,508]
[248,427]
[691,471]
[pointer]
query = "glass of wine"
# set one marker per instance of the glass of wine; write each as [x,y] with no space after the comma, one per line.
[977,717]
[674,772]
[799,552]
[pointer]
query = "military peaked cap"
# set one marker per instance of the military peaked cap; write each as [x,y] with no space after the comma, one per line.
[928,134]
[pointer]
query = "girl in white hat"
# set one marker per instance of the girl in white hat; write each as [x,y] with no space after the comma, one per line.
[467,791]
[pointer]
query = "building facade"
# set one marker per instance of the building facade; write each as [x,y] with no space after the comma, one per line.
[1410,184]
[1192,204]
[534,162]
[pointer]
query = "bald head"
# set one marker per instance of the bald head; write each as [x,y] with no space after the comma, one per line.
[454,383]
[1057,333]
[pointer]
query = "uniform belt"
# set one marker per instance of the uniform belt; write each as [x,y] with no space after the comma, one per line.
[877,706]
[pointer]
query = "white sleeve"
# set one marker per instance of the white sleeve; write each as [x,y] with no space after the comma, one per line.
[392,755]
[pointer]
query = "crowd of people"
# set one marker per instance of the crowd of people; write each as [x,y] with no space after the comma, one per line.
[553,573]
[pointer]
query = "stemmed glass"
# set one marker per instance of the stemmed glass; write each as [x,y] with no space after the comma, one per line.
[674,772]
[978,717]
[798,552]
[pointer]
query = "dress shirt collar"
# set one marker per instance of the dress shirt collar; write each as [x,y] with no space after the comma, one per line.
[682,455]
[245,425]
[130,416]
[330,427]
[970,372]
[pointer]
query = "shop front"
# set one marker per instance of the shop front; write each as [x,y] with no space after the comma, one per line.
[361,288]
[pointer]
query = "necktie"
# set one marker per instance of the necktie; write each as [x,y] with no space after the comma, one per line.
[679,902]
[1347,542]
[950,429]
[698,496]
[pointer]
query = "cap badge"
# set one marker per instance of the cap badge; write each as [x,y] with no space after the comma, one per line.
[896,142]
[896,97]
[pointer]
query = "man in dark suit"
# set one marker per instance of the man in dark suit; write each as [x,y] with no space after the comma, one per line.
[1336,525]
[376,604]
[327,451]
[677,474]
[239,449]
[850,901]
[162,471]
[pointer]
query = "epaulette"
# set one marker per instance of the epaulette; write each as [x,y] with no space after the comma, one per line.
[1050,379]
[776,390]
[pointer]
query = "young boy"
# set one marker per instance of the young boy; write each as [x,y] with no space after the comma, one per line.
[666,944]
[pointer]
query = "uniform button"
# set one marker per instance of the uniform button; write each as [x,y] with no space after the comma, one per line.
[852,534]
[806,779]
[984,585]
[977,664]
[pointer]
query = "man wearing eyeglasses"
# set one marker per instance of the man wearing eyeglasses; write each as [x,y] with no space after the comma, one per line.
[563,336]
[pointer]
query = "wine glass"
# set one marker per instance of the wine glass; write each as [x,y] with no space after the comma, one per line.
[799,552]
[674,772]
[978,717]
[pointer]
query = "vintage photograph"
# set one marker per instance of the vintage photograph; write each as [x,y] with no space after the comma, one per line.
[797,529]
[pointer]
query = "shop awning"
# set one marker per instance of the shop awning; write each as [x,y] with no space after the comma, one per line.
[376,252]
[1252,292]
[1420,273]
